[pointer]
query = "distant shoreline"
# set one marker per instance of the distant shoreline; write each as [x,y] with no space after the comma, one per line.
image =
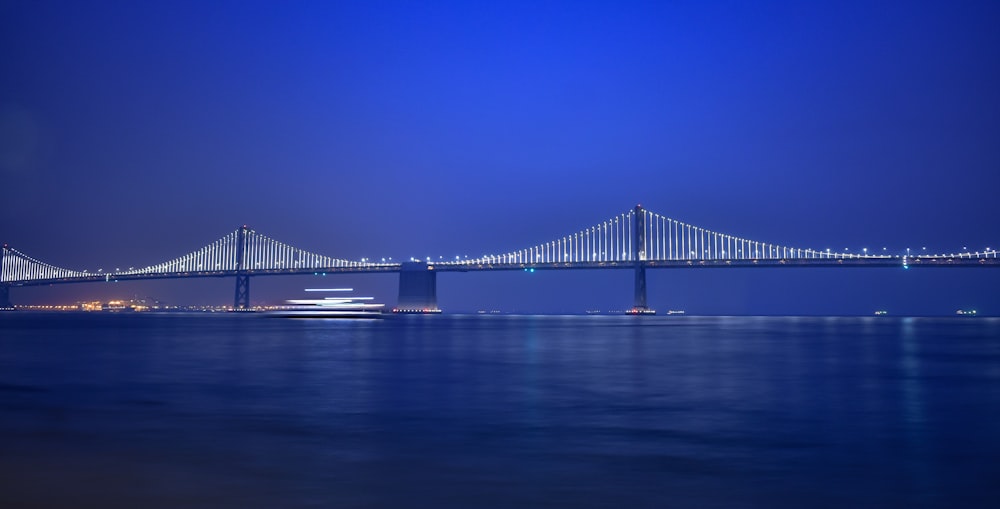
[617,314]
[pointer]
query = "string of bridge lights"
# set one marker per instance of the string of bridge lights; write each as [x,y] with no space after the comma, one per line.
[626,237]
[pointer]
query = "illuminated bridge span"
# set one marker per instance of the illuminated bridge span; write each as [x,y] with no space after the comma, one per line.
[641,235]
[637,240]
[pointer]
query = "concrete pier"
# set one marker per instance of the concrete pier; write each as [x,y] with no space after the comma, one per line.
[5,304]
[417,289]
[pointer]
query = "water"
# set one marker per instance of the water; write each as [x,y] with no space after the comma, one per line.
[493,411]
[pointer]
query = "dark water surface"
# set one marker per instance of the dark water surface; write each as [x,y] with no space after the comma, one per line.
[493,411]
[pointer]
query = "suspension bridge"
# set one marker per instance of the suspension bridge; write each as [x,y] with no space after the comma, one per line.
[636,240]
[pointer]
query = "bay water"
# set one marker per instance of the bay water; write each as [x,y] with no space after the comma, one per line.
[239,410]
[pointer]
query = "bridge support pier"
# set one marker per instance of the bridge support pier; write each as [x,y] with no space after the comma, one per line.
[241,302]
[417,289]
[639,304]
[5,303]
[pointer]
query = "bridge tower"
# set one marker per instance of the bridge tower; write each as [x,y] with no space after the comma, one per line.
[417,289]
[5,304]
[639,305]
[241,301]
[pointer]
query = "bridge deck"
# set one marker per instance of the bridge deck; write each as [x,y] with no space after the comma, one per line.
[886,262]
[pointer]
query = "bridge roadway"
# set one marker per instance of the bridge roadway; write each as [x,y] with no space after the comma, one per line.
[418,286]
[882,261]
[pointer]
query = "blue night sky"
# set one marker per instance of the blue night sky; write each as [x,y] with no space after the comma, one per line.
[133,132]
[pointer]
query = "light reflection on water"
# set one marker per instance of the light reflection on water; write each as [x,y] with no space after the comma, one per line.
[498,411]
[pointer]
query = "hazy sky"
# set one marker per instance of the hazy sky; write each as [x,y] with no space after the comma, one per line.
[133,132]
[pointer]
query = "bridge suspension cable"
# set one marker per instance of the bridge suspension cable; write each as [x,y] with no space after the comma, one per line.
[259,253]
[662,239]
[17,266]
[672,240]
[607,241]
[615,240]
